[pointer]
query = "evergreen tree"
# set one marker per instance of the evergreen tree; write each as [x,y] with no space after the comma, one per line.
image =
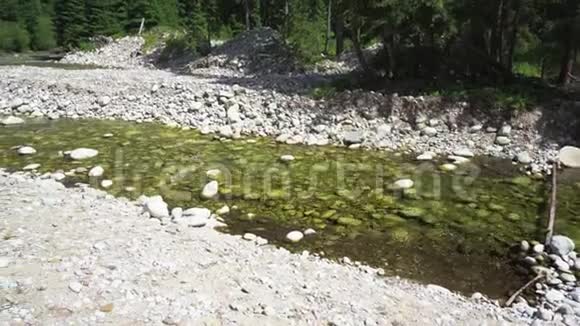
[43,34]
[105,17]
[71,22]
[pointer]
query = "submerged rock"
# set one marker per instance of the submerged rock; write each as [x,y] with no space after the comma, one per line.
[570,156]
[83,154]
[30,167]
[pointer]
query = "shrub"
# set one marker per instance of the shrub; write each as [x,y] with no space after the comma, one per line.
[13,37]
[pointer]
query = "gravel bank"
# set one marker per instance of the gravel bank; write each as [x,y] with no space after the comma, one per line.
[79,256]
[219,101]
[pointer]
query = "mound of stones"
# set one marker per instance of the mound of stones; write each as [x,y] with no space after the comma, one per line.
[121,53]
[259,51]
[557,292]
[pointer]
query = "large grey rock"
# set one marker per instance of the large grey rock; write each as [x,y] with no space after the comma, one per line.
[429,131]
[353,137]
[83,154]
[503,141]
[156,207]
[570,156]
[561,245]
[524,158]
[195,217]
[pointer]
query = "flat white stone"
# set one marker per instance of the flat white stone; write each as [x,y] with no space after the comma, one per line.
[570,156]
[26,150]
[107,184]
[287,158]
[96,171]
[403,184]
[210,190]
[83,153]
[11,120]
[30,167]
[295,236]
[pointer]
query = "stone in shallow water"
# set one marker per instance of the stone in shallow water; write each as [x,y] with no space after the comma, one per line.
[30,167]
[213,174]
[349,221]
[83,154]
[210,190]
[96,172]
[287,158]
[11,120]
[26,150]
[295,236]
[427,156]
[403,184]
[448,167]
[570,156]
[107,184]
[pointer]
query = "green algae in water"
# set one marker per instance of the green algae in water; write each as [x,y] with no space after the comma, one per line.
[451,229]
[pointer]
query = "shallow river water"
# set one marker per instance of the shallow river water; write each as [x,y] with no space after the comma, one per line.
[453,228]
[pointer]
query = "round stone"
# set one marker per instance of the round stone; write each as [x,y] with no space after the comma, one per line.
[448,167]
[210,190]
[287,158]
[107,184]
[427,156]
[83,154]
[503,141]
[403,184]
[250,237]
[570,156]
[26,150]
[295,236]
[96,172]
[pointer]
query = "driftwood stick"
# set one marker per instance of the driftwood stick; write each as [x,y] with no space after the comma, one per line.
[553,198]
[520,290]
[142,25]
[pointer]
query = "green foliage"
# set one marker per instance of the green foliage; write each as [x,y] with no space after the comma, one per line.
[44,35]
[71,22]
[13,37]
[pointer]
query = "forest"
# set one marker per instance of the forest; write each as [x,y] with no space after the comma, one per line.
[492,39]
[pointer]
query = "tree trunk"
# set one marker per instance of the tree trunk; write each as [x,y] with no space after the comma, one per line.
[567,62]
[355,38]
[328,26]
[496,37]
[286,19]
[514,36]
[339,34]
[247,14]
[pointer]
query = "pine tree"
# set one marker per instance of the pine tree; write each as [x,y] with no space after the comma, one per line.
[139,9]
[71,22]
[103,17]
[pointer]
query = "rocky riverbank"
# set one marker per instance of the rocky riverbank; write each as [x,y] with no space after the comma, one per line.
[80,256]
[219,101]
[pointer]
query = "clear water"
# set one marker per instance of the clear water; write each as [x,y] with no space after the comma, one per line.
[452,229]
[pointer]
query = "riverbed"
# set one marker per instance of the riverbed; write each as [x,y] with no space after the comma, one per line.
[452,228]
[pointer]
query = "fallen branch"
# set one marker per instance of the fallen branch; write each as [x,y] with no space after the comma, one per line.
[520,290]
[552,213]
